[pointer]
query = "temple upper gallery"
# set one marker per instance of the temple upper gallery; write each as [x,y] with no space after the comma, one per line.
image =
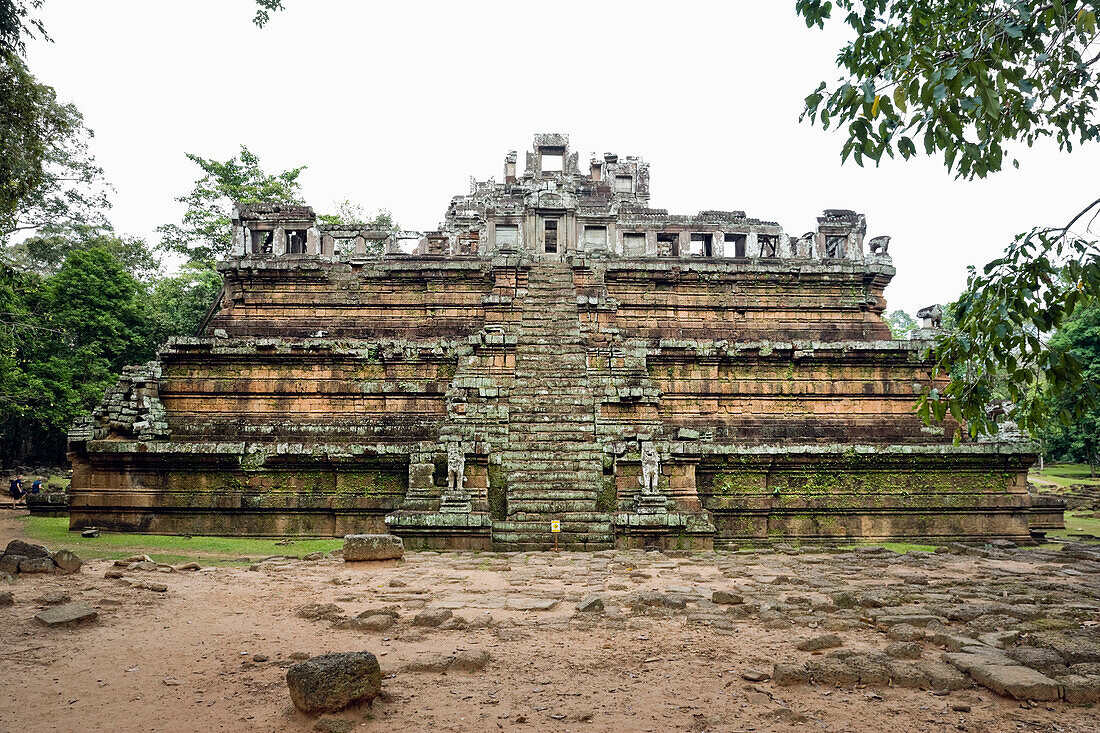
[557,354]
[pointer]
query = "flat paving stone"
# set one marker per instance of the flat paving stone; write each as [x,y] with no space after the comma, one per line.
[67,614]
[532,604]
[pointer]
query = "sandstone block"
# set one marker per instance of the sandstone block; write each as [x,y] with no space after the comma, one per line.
[67,561]
[726,598]
[591,604]
[26,549]
[1080,690]
[432,617]
[362,547]
[37,565]
[817,643]
[331,682]
[70,614]
[1022,683]
[785,674]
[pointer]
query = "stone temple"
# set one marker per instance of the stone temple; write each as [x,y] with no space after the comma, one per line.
[558,355]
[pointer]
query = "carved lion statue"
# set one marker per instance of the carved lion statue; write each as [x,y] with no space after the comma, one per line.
[932,315]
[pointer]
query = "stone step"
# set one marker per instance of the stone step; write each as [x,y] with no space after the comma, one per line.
[543,526]
[588,517]
[581,477]
[516,457]
[551,509]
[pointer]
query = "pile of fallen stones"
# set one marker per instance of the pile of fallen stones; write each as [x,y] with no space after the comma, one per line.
[23,557]
[125,569]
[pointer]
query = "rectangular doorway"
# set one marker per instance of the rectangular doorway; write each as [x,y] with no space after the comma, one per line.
[550,236]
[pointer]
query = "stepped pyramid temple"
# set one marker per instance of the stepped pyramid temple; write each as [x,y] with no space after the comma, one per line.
[558,355]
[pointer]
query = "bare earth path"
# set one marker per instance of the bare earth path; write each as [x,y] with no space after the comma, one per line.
[211,653]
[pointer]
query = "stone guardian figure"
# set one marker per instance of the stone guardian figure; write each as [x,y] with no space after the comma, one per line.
[651,469]
[456,468]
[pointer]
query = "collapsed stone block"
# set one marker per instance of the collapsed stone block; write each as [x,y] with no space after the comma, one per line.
[331,682]
[363,547]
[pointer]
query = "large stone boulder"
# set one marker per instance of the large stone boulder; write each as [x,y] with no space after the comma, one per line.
[331,682]
[67,561]
[359,547]
[37,565]
[26,549]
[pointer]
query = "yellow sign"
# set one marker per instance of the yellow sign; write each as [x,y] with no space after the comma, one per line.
[555,525]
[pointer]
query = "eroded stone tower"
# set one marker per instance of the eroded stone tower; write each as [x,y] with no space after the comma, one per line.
[558,353]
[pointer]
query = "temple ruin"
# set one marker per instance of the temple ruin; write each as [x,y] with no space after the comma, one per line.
[558,351]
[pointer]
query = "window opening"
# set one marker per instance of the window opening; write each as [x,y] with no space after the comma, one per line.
[769,245]
[296,242]
[262,242]
[552,162]
[835,246]
[738,242]
[668,245]
[701,245]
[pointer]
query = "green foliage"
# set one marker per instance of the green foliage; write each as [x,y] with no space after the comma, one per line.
[205,233]
[47,174]
[46,251]
[354,216]
[962,80]
[900,323]
[18,21]
[999,346]
[959,79]
[263,12]
[177,304]
[1075,435]
[64,340]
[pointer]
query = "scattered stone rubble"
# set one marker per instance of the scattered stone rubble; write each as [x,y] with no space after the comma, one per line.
[24,557]
[1027,634]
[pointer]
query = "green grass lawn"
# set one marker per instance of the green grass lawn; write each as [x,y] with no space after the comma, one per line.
[1076,524]
[1064,474]
[54,533]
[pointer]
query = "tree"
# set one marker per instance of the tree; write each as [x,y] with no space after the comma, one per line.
[47,174]
[177,304]
[205,233]
[900,323]
[1077,437]
[63,340]
[263,12]
[964,81]
[46,251]
[355,216]
[17,20]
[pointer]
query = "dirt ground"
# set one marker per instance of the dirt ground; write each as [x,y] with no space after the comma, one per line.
[211,653]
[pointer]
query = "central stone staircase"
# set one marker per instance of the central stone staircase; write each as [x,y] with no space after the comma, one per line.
[552,463]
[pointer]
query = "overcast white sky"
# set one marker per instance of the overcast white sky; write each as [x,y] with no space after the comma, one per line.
[397,104]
